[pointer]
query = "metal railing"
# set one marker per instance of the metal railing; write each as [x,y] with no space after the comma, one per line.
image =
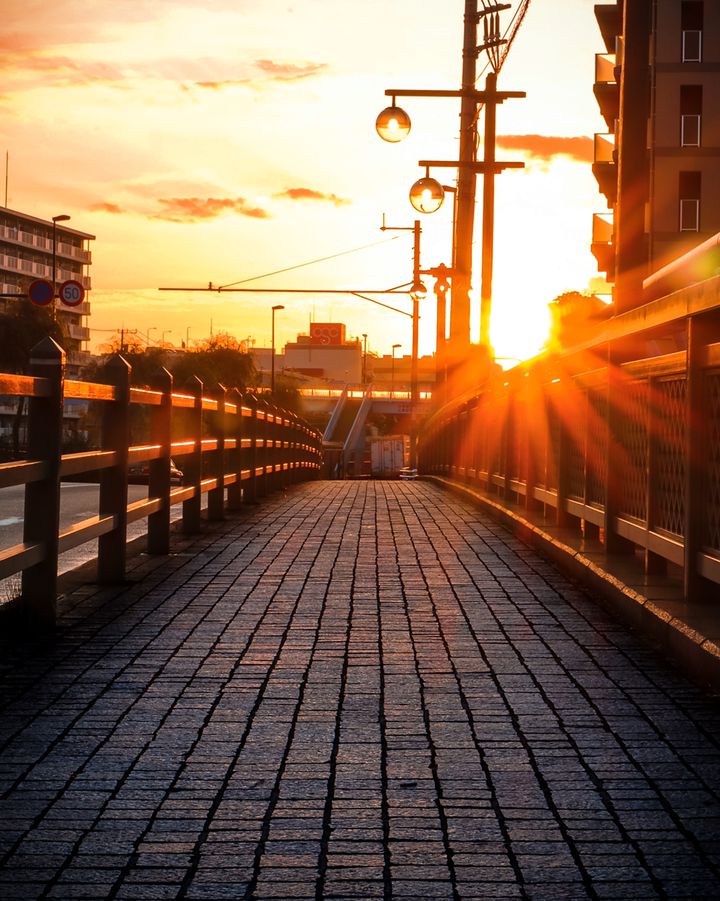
[233,447]
[605,440]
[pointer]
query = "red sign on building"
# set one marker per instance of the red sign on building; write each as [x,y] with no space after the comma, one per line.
[327,332]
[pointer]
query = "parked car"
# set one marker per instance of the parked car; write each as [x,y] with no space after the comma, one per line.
[139,474]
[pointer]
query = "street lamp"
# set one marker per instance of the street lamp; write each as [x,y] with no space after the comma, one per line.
[392,370]
[153,328]
[393,124]
[55,219]
[166,332]
[364,362]
[427,194]
[277,306]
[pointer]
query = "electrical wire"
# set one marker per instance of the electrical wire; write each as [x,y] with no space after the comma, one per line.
[332,256]
[496,56]
[508,35]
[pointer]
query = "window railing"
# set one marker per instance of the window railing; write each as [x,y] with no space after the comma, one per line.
[689,215]
[690,130]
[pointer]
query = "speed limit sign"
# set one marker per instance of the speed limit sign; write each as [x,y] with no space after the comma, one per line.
[71,293]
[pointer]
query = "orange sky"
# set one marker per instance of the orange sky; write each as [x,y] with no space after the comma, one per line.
[223,140]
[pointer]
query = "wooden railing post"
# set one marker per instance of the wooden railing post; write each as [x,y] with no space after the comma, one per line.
[112,546]
[261,444]
[235,426]
[250,493]
[216,467]
[192,470]
[42,498]
[159,485]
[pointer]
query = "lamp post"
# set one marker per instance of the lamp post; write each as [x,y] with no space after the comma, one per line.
[153,328]
[392,370]
[364,361]
[55,219]
[277,307]
[426,195]
[165,332]
[187,338]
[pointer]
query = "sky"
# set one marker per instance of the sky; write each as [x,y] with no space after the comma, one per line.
[221,141]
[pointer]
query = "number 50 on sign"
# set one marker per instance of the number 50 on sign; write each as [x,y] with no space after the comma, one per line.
[71,293]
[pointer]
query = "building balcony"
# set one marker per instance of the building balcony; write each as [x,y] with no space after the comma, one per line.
[78,332]
[602,246]
[44,243]
[605,166]
[606,88]
[609,19]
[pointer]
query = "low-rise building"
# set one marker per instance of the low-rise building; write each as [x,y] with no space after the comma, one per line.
[26,254]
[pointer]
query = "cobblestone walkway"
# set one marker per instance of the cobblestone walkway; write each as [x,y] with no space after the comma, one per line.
[359,690]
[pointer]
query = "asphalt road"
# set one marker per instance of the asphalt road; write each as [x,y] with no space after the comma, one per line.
[78,501]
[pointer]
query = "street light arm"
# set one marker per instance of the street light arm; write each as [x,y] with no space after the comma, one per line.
[470,94]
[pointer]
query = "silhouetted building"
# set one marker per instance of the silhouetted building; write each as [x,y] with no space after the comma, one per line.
[325,354]
[26,255]
[659,163]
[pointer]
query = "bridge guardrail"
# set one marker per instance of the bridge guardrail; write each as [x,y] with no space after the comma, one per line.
[233,443]
[614,443]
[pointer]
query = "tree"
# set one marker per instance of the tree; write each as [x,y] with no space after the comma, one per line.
[574,318]
[286,394]
[221,358]
[22,326]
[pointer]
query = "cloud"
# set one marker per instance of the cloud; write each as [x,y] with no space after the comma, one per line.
[271,70]
[310,194]
[545,147]
[106,207]
[197,209]
[289,71]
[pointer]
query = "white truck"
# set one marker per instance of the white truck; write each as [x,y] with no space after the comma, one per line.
[388,455]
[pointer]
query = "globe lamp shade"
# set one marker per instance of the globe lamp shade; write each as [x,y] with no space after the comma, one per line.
[427,195]
[393,124]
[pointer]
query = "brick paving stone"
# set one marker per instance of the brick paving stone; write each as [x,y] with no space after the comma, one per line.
[355,690]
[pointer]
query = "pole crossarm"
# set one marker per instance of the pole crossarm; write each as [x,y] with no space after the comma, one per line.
[478,96]
[473,167]
[290,290]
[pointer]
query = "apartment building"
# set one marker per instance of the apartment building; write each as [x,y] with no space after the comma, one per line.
[26,254]
[658,164]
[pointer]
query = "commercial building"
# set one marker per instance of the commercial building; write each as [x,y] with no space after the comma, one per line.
[658,164]
[26,254]
[325,354]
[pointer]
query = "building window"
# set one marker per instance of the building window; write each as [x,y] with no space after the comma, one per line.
[691,98]
[689,191]
[691,24]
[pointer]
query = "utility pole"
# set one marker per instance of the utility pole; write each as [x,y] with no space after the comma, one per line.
[417,290]
[465,211]
[472,100]
[488,222]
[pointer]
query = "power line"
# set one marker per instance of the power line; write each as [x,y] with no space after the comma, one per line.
[332,256]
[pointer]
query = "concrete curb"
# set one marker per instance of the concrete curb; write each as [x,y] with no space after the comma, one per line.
[679,642]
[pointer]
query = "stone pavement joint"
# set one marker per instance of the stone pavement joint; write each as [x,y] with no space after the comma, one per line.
[354,690]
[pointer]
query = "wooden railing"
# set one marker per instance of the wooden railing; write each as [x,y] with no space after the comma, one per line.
[235,448]
[608,439]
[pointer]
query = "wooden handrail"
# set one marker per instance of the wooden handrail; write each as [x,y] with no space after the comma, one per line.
[247,452]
